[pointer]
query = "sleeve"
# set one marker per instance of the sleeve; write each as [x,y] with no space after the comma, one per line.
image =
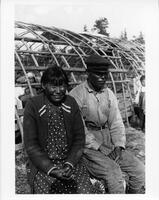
[35,152]
[115,122]
[143,104]
[78,94]
[137,96]
[78,137]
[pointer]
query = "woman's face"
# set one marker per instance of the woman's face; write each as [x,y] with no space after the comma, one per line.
[55,93]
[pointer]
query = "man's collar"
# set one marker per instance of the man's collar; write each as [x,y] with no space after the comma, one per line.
[90,90]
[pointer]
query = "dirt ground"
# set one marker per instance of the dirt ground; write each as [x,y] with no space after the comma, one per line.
[135,144]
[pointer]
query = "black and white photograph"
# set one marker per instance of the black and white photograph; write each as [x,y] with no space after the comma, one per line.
[79,99]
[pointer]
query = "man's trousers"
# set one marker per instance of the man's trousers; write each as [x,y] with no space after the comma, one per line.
[102,167]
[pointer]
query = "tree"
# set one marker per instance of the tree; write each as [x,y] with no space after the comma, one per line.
[139,39]
[101,26]
[85,29]
[123,35]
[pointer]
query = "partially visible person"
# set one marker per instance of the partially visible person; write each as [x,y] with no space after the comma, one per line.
[139,107]
[105,154]
[21,96]
[54,139]
[19,91]
[18,105]
[27,92]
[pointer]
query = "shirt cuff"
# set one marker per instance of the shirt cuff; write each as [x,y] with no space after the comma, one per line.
[69,164]
[96,145]
[120,145]
[51,170]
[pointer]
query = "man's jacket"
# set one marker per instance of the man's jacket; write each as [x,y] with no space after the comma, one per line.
[36,132]
[102,109]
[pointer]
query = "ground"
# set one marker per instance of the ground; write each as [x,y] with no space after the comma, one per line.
[135,144]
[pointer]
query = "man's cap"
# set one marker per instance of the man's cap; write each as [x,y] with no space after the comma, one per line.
[96,63]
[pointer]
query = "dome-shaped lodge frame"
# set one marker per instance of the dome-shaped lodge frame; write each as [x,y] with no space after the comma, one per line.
[38,46]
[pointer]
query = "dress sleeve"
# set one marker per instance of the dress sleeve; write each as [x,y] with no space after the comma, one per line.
[78,136]
[35,152]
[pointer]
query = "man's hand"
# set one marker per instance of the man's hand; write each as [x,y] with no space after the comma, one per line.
[104,149]
[91,142]
[116,153]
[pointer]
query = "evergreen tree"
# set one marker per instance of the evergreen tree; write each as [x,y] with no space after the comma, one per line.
[125,35]
[121,35]
[139,39]
[85,29]
[101,26]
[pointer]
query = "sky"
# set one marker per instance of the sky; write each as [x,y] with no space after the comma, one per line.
[129,15]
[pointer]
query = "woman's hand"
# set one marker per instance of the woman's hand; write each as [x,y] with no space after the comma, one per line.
[67,171]
[64,173]
[57,173]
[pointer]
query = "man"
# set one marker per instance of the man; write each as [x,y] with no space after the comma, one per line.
[105,153]
[139,108]
[54,139]
[27,93]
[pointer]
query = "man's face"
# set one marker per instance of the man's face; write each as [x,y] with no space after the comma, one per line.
[97,80]
[55,93]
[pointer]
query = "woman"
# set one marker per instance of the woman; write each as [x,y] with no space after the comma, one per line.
[54,139]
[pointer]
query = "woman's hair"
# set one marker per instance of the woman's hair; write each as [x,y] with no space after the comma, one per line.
[54,75]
